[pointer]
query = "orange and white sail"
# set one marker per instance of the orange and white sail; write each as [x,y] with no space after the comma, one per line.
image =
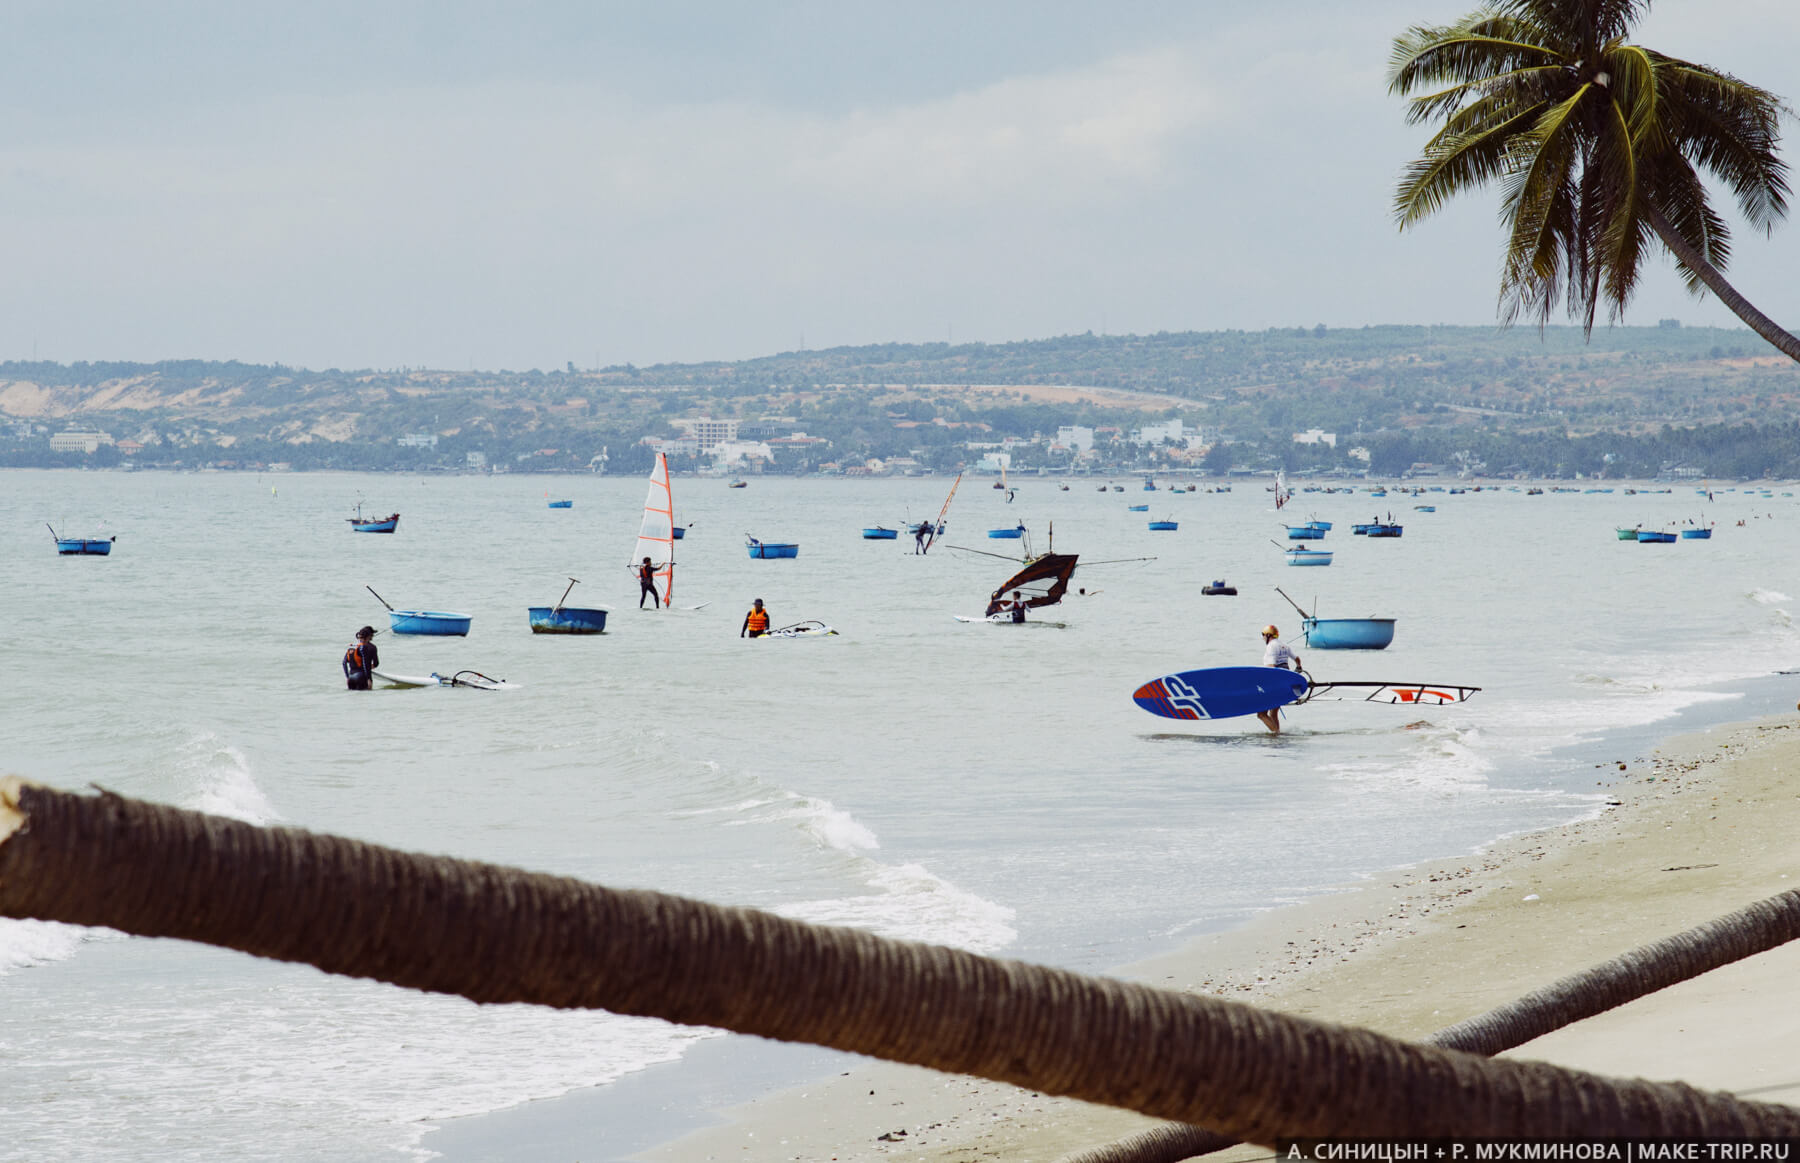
[656,536]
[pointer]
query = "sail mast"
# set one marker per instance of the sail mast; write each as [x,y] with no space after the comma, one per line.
[939,523]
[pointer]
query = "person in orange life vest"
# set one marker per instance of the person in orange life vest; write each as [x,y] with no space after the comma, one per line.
[361,660]
[756,622]
[646,575]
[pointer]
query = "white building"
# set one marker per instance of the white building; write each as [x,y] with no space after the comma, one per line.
[680,446]
[1170,433]
[994,462]
[475,459]
[1316,436]
[707,431]
[738,451]
[1076,437]
[418,440]
[76,440]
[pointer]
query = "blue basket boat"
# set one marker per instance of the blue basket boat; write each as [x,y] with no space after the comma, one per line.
[1348,633]
[1162,526]
[1137,508]
[439,623]
[1322,526]
[1698,534]
[83,546]
[567,619]
[1013,533]
[880,533]
[1386,530]
[1654,537]
[560,505]
[769,549]
[1305,533]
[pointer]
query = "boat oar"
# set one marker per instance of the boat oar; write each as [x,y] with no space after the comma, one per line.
[565,596]
[1293,603]
[379,598]
[52,529]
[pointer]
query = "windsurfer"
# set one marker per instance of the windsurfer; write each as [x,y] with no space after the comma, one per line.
[646,574]
[361,660]
[1276,653]
[756,622]
[920,532]
[1017,608]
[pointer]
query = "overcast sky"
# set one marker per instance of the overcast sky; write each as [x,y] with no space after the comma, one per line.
[372,184]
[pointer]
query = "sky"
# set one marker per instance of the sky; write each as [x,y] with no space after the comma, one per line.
[481,185]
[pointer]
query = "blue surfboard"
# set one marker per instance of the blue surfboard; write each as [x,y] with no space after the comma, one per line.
[1220,692]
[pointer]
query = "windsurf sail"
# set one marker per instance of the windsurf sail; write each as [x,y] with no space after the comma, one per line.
[1042,582]
[1424,694]
[656,535]
[938,526]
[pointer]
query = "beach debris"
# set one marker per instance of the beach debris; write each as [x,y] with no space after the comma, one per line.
[891,1137]
[1531,896]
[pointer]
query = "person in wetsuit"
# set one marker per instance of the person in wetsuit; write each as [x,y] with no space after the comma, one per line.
[361,660]
[756,622]
[1018,607]
[922,531]
[646,574]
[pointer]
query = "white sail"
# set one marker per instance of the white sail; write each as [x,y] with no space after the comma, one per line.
[656,536]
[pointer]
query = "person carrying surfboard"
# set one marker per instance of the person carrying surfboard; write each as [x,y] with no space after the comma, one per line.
[1276,653]
[361,660]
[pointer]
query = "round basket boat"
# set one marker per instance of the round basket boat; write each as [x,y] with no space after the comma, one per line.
[435,622]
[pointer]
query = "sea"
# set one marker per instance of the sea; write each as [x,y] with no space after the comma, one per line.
[985,786]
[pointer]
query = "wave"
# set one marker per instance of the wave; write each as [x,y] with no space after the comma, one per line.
[214,777]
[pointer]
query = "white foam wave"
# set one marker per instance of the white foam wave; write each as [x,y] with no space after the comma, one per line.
[214,777]
[27,943]
[1446,758]
[912,904]
[827,825]
[1768,597]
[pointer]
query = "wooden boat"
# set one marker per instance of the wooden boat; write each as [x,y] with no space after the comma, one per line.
[1219,589]
[561,619]
[1655,537]
[82,546]
[438,623]
[771,549]
[1162,526]
[880,533]
[362,524]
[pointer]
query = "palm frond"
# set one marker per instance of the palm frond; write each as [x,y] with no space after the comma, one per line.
[1476,48]
[1453,163]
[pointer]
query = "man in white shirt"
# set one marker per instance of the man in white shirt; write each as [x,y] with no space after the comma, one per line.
[1276,653]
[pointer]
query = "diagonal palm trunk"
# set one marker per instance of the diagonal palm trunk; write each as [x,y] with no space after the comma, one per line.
[1785,341]
[495,934]
[1613,983]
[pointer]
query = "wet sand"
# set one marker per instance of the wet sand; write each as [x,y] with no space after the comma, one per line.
[1708,824]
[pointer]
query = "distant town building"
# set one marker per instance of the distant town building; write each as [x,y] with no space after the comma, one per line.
[739,451]
[129,447]
[1316,436]
[680,446]
[78,440]
[1075,437]
[708,432]
[994,462]
[418,440]
[1361,454]
[1169,433]
[475,459]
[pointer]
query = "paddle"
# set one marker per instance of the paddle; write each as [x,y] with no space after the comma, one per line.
[559,601]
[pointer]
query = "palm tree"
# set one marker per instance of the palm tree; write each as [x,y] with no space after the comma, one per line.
[1597,144]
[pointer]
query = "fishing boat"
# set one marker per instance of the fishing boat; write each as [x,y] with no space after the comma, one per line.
[1304,533]
[81,546]
[559,504]
[436,623]
[362,524]
[657,532]
[1363,529]
[771,549]
[1698,533]
[1386,530]
[1162,526]
[1014,533]
[1625,534]
[1424,508]
[1137,508]
[561,619]
[1218,588]
[1321,526]
[1300,555]
[738,483]
[1343,633]
[1149,485]
[1118,488]
[880,533]
[1655,537]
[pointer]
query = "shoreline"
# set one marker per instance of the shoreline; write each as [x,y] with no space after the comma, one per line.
[753,1100]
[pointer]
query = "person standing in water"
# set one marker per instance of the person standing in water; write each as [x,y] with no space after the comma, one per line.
[756,622]
[1276,653]
[361,660]
[1018,607]
[646,574]
[922,531]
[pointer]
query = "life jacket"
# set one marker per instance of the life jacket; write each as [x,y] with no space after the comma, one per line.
[647,574]
[757,621]
[353,658]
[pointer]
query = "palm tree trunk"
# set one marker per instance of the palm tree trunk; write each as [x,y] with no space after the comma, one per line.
[1613,983]
[1786,342]
[495,934]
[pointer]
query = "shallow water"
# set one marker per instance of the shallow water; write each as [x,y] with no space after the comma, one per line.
[984,786]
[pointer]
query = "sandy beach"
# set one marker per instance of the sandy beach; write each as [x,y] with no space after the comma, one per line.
[1703,825]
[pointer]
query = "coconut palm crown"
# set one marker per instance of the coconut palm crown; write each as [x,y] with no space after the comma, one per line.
[1597,145]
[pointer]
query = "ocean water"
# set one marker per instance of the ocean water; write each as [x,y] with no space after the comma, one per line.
[987,787]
